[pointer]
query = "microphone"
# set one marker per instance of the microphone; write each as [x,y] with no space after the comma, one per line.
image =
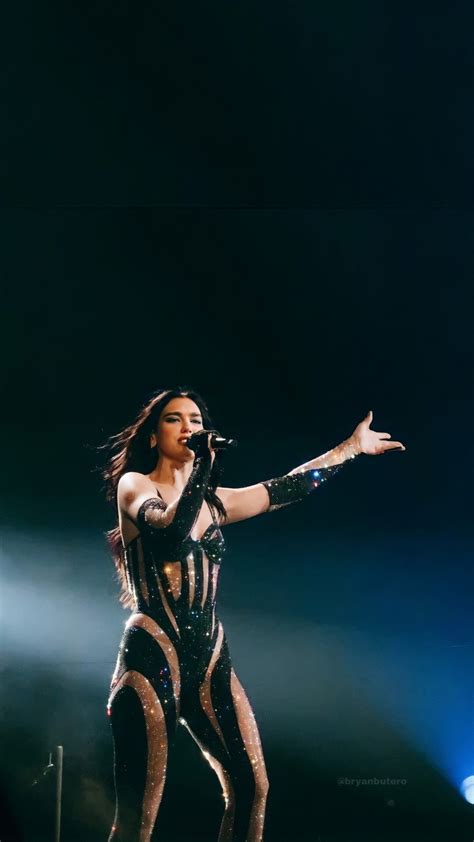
[217,442]
[220,443]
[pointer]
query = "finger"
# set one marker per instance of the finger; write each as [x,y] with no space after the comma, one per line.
[395,445]
[384,435]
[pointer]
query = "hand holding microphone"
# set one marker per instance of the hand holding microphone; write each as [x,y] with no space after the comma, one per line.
[205,440]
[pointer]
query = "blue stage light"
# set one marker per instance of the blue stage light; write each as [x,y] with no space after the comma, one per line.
[467,789]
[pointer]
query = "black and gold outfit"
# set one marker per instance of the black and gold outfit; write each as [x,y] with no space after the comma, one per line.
[174,666]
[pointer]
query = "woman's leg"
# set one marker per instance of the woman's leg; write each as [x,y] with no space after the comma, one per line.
[222,722]
[143,708]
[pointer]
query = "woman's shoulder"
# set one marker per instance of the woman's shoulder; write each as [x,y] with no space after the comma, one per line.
[133,477]
[132,483]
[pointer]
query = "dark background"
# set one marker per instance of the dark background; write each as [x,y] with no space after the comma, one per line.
[271,205]
[332,104]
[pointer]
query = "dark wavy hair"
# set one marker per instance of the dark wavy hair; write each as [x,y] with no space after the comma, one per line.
[129,450]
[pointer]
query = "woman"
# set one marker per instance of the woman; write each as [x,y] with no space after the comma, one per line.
[174,663]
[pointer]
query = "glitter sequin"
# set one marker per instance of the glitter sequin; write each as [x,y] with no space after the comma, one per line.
[292,488]
[173,667]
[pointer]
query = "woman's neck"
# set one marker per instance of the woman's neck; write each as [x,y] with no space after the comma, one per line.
[171,473]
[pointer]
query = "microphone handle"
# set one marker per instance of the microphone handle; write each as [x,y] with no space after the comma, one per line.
[220,443]
[217,442]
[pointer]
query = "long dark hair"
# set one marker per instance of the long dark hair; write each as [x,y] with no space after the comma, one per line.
[130,451]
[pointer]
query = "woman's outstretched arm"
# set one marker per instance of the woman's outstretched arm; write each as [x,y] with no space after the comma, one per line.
[243,503]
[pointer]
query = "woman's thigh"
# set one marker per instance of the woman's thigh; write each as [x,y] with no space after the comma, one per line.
[221,720]
[145,648]
[143,707]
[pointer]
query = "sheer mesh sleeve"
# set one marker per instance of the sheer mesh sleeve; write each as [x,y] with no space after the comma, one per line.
[151,515]
[291,488]
[152,518]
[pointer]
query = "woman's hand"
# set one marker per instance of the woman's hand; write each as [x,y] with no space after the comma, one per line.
[213,452]
[370,442]
[201,442]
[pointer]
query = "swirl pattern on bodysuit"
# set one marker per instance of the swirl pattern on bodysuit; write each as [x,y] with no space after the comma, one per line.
[174,666]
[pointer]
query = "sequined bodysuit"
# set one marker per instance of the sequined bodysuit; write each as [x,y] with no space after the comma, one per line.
[174,666]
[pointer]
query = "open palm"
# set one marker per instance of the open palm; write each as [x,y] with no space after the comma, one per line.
[372,443]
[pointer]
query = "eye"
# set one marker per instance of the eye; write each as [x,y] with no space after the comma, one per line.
[196,421]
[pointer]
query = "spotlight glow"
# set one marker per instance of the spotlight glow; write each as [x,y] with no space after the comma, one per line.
[467,789]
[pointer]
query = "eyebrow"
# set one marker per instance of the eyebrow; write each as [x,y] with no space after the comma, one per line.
[181,414]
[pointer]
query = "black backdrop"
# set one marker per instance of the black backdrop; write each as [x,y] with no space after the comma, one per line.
[272,205]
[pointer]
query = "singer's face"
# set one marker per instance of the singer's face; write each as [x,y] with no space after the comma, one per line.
[180,418]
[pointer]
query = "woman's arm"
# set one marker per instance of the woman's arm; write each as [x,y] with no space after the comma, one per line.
[149,512]
[267,496]
[243,503]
